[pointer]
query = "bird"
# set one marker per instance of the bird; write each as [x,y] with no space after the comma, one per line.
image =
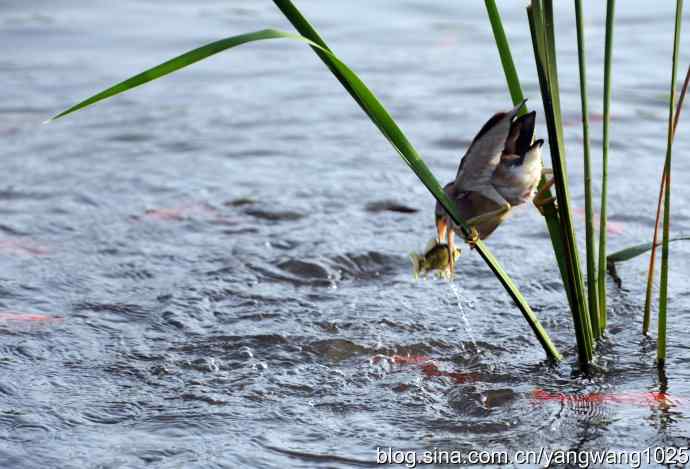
[500,170]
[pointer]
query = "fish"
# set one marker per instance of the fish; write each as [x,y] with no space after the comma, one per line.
[435,257]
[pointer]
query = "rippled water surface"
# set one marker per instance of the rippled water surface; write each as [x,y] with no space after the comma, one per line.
[213,271]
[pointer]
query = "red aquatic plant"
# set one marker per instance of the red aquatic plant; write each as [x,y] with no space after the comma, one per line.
[20,247]
[16,316]
[628,398]
[428,367]
[178,213]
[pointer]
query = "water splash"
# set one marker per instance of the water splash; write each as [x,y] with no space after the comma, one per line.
[466,323]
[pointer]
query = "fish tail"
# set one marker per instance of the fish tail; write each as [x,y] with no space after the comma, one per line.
[416,264]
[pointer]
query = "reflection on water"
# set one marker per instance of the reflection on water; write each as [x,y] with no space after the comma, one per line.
[212,271]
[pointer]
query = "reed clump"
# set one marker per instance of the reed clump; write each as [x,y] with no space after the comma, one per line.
[587,301]
[558,217]
[590,315]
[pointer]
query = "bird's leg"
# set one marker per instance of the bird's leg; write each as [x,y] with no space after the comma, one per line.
[443,233]
[543,196]
[441,228]
[451,253]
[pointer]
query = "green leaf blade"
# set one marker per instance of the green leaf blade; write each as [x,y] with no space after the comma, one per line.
[632,252]
[174,64]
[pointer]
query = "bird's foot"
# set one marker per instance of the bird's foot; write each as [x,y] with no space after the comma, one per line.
[472,237]
[543,196]
[543,201]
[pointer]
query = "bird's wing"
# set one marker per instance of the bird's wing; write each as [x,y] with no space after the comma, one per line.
[476,204]
[473,204]
[484,153]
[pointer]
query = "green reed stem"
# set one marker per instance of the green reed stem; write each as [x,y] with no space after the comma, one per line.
[540,16]
[549,210]
[551,66]
[663,289]
[655,238]
[562,183]
[608,50]
[593,301]
[504,53]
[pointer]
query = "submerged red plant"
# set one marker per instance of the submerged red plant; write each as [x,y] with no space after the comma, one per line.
[431,370]
[612,227]
[428,367]
[410,359]
[630,398]
[22,247]
[15,316]
[179,213]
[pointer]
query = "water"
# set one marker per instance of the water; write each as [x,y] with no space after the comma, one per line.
[186,326]
[461,309]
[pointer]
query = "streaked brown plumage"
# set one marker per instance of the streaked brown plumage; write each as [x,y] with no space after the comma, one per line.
[500,170]
[517,175]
